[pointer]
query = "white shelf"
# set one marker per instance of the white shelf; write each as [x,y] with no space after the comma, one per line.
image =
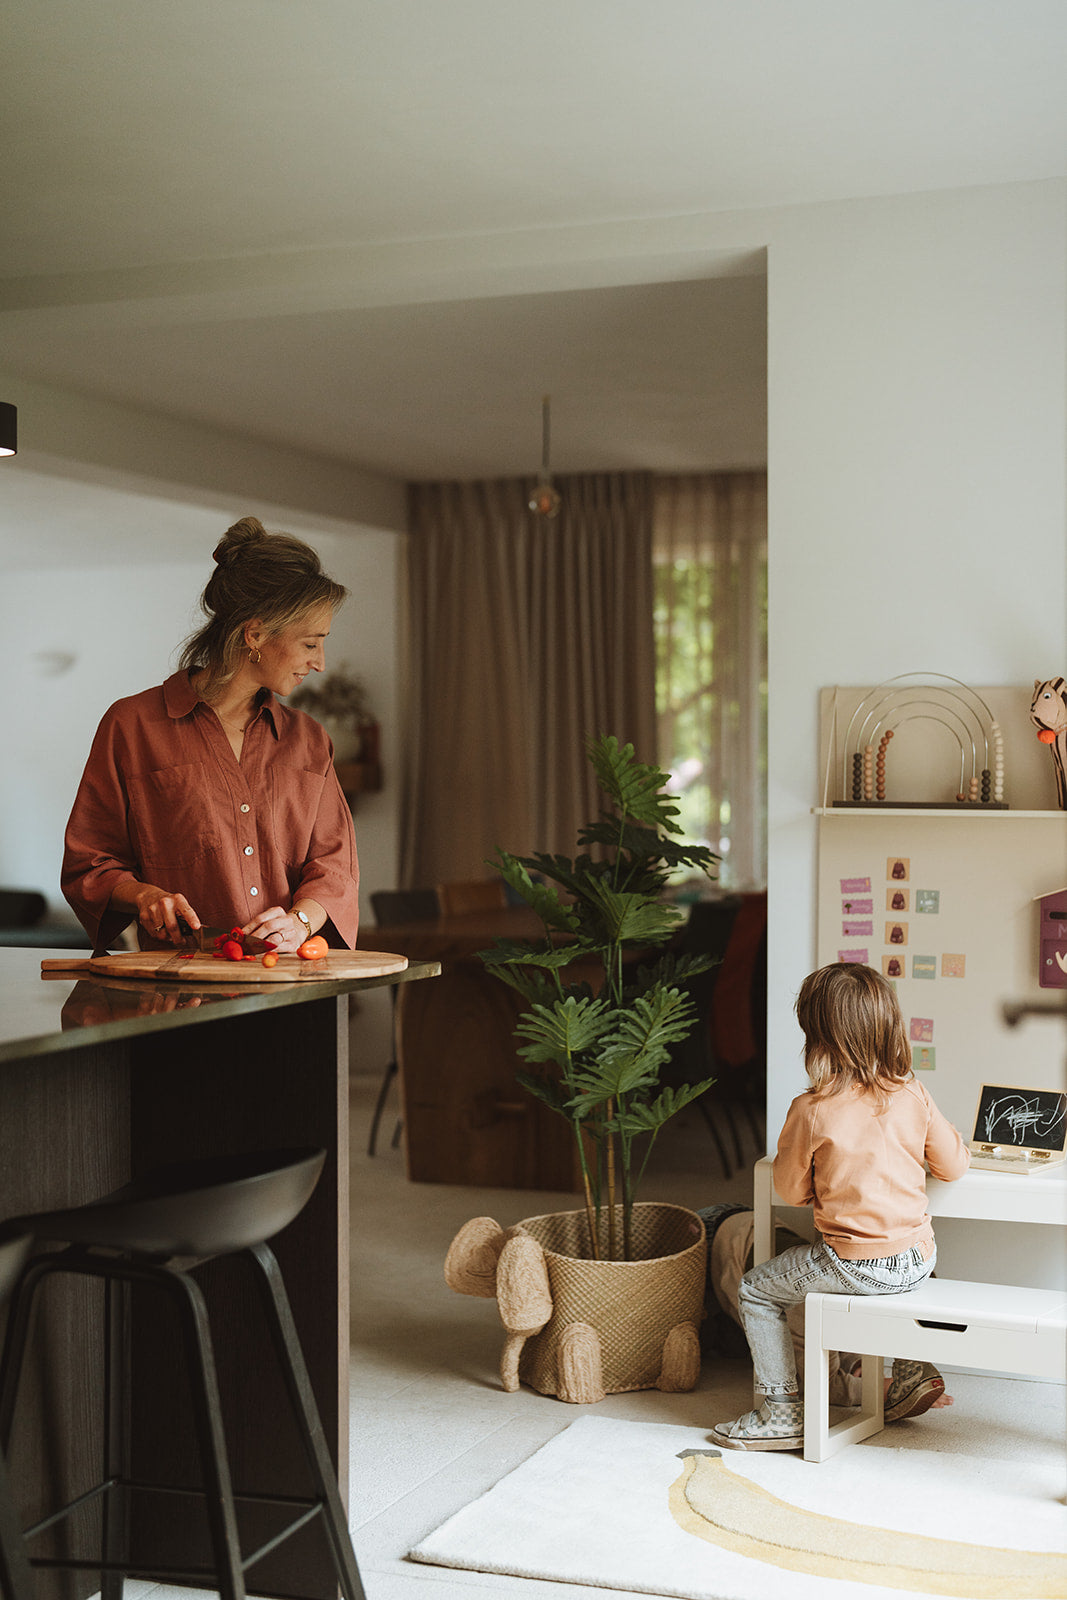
[928,811]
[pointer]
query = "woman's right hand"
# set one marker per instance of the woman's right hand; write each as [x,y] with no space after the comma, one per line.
[158,911]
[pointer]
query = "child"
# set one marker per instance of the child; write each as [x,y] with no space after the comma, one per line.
[853,1148]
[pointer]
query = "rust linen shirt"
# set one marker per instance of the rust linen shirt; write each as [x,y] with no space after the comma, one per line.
[164,800]
[863,1173]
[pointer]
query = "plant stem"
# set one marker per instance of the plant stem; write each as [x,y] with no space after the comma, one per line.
[610,1142]
[590,1213]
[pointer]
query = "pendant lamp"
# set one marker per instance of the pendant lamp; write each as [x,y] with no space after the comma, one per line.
[8,429]
[545,501]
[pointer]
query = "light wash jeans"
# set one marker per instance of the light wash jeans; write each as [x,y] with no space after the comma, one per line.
[766,1292]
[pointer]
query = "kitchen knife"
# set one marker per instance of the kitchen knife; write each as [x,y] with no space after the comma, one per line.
[204,939]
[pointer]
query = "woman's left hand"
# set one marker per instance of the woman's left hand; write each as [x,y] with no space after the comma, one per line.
[285,931]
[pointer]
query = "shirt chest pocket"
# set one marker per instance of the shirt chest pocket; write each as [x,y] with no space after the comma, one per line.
[173,816]
[296,795]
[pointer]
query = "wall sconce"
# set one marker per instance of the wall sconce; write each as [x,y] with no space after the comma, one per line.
[8,429]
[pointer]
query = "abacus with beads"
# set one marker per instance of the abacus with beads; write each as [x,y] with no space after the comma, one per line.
[961,710]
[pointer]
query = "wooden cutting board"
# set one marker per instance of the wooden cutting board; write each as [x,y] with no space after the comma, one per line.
[184,966]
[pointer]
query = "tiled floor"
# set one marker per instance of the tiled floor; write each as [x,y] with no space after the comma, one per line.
[431,1427]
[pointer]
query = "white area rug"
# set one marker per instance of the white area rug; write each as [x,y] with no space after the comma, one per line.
[593,1507]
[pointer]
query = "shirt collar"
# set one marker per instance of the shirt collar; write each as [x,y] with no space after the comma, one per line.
[180,699]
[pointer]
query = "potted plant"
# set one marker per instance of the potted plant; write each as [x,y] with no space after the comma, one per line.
[339,702]
[597,1032]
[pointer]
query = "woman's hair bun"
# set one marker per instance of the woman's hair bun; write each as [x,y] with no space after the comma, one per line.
[247,530]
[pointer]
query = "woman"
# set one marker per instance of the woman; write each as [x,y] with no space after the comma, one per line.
[207,800]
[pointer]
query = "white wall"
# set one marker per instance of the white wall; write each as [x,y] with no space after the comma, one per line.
[102,569]
[917,500]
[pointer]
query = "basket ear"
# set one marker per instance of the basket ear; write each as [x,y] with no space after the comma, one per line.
[470,1265]
[522,1286]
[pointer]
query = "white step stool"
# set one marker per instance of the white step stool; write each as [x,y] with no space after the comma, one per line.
[990,1325]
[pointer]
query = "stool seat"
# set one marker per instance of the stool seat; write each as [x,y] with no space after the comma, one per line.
[147,1237]
[196,1208]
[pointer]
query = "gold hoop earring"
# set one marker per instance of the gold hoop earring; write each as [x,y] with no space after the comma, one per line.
[255,657]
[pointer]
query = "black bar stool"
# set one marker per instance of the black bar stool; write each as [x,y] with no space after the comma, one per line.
[16,1580]
[226,1206]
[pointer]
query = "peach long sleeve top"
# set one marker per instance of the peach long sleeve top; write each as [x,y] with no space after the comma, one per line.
[164,800]
[862,1168]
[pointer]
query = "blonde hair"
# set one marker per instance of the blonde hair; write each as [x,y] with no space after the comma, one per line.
[853,1031]
[272,578]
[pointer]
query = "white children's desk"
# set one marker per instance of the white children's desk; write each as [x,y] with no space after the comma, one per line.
[984,1196]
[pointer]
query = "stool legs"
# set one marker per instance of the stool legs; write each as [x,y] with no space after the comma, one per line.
[16,1579]
[291,1360]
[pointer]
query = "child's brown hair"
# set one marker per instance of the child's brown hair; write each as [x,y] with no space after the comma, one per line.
[853,1030]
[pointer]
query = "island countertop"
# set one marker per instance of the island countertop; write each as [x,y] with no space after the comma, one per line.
[39,1016]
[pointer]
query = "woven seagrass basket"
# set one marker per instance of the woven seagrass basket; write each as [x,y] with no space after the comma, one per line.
[644,1313]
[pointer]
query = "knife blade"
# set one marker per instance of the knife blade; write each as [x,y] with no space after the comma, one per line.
[204,939]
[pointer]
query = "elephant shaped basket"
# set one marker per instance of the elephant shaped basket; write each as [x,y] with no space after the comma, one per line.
[579,1328]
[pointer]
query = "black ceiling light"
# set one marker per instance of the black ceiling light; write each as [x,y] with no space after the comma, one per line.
[9,432]
[545,501]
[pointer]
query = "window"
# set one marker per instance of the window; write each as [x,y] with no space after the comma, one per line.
[710,554]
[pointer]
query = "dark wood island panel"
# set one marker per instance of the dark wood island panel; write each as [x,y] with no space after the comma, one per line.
[165,1074]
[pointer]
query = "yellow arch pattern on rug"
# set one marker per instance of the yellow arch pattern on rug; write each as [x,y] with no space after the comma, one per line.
[729,1510]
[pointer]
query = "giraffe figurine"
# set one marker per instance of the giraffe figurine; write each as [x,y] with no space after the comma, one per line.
[1048,713]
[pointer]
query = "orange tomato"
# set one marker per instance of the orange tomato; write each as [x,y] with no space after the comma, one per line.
[270,959]
[313,949]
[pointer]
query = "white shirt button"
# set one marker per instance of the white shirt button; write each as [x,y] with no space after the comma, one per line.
[249,850]
[253,891]
[246,808]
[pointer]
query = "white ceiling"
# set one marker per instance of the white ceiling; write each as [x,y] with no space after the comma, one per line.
[211,208]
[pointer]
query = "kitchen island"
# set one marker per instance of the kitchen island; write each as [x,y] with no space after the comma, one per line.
[101,1081]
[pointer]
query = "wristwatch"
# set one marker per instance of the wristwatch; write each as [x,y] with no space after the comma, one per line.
[305,921]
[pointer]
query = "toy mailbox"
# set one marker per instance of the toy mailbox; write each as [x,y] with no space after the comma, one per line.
[1052,942]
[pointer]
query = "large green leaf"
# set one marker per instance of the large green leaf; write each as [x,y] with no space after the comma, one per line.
[542,898]
[632,918]
[558,1032]
[649,1116]
[635,787]
[641,845]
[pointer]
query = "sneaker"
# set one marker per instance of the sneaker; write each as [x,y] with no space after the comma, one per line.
[915,1387]
[777,1425]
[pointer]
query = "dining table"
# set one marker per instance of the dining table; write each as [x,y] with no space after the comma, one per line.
[104,1078]
[466,1118]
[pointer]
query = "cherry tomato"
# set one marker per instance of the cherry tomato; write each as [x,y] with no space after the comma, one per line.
[233,951]
[270,959]
[313,949]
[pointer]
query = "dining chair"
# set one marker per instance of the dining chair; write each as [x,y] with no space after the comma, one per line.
[461,898]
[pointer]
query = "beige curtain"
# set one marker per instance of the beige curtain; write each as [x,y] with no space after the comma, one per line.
[526,636]
[710,545]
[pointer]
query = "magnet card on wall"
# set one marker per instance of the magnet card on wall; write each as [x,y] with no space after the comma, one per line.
[928,901]
[858,930]
[924,966]
[897,899]
[857,957]
[922,1029]
[896,933]
[856,907]
[953,966]
[855,885]
[893,967]
[923,1058]
[898,869]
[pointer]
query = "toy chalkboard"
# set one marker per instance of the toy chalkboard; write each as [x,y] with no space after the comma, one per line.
[1020,1119]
